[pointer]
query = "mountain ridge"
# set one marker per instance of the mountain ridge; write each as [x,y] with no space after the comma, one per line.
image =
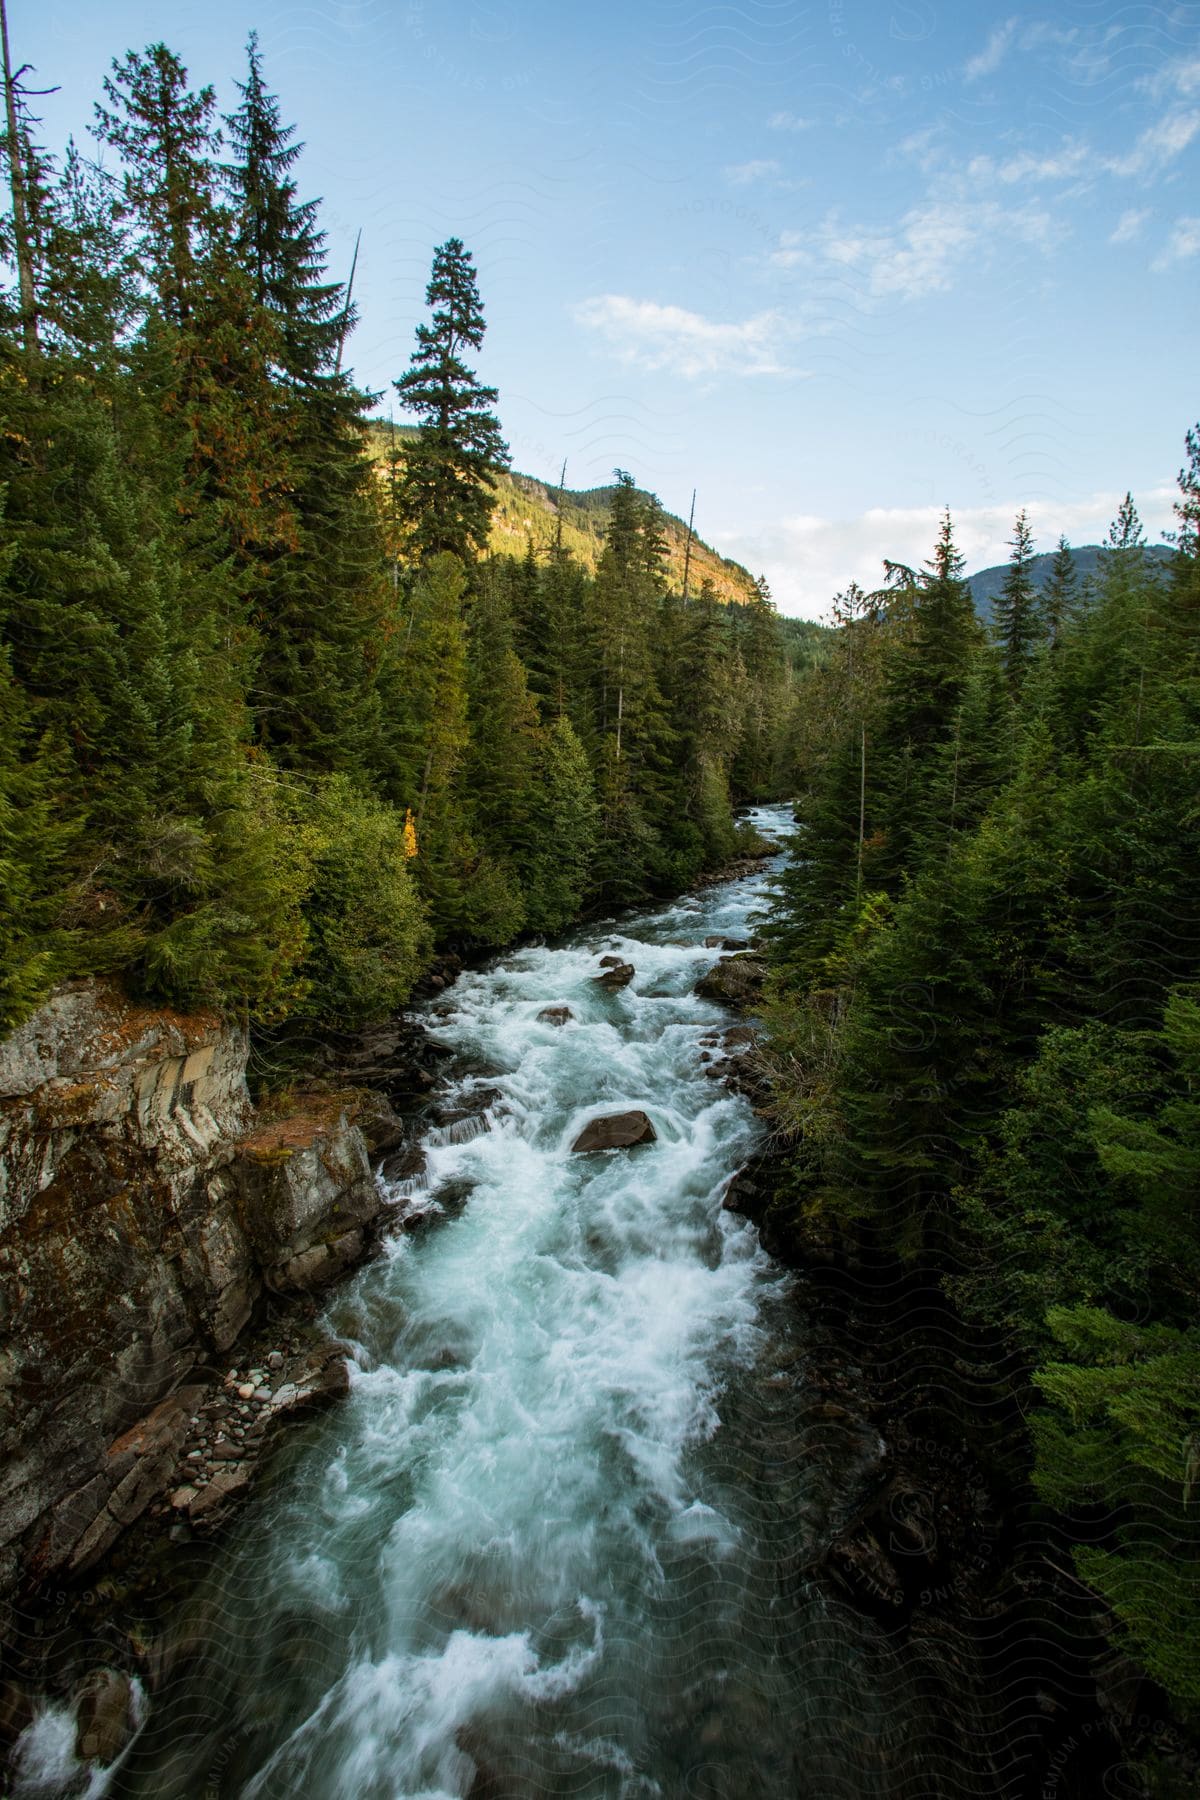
[527,511]
[986,584]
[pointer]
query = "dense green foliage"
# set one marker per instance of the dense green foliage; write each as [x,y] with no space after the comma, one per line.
[986,1013]
[277,721]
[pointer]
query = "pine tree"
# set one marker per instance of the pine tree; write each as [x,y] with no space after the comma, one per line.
[446,498]
[1125,532]
[556,861]
[1059,596]
[277,240]
[1181,602]
[168,141]
[1015,615]
[762,658]
[926,680]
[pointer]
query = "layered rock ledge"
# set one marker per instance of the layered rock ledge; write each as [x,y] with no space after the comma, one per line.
[146,1209]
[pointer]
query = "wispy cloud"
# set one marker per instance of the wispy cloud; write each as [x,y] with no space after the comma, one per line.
[788,121]
[1074,159]
[924,147]
[1032,168]
[1179,76]
[1158,145]
[920,255]
[993,53]
[742,174]
[1129,225]
[648,335]
[1181,246]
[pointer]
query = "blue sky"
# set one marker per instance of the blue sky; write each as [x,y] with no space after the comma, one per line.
[835,266]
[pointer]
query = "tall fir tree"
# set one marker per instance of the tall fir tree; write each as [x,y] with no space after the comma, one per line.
[167,138]
[446,497]
[1015,612]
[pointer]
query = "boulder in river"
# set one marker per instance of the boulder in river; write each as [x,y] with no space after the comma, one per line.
[618,975]
[104,1714]
[611,962]
[555,1015]
[736,981]
[726,943]
[619,1131]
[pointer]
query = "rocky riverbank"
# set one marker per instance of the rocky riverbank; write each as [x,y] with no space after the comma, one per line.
[148,1211]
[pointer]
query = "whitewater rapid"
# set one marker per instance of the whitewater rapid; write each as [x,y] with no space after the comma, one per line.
[516,1560]
[533,1374]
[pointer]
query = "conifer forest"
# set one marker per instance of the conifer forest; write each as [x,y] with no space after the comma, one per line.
[831,1430]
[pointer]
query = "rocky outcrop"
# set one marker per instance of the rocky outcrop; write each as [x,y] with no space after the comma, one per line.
[620,1131]
[735,981]
[144,1210]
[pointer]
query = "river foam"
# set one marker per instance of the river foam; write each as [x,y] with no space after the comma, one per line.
[493,1558]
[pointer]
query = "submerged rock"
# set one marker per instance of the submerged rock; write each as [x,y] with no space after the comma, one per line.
[105,1716]
[619,1131]
[555,1015]
[617,975]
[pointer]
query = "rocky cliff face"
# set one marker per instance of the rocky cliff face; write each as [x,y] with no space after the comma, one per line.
[144,1209]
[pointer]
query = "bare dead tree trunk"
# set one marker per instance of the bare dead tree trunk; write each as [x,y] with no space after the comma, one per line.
[687,555]
[337,367]
[23,241]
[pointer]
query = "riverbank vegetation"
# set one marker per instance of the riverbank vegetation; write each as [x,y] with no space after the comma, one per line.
[986,1019]
[277,721]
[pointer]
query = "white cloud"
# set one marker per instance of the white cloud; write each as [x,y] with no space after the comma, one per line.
[1070,160]
[1073,160]
[1129,225]
[923,147]
[651,336]
[993,52]
[1183,243]
[922,254]
[807,559]
[1158,145]
[787,121]
[1179,76]
[742,174]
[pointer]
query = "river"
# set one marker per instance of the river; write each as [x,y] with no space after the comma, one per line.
[541,1548]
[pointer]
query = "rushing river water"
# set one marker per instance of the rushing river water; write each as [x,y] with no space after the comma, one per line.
[539,1549]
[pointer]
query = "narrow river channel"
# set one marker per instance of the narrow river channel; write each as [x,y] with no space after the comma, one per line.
[539,1549]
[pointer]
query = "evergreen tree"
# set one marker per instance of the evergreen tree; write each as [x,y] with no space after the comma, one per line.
[1058,600]
[762,659]
[446,497]
[277,241]
[1015,615]
[167,139]
[560,839]
[36,949]
[926,680]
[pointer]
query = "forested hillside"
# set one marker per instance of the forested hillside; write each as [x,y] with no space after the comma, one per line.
[986,1022]
[528,511]
[291,699]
